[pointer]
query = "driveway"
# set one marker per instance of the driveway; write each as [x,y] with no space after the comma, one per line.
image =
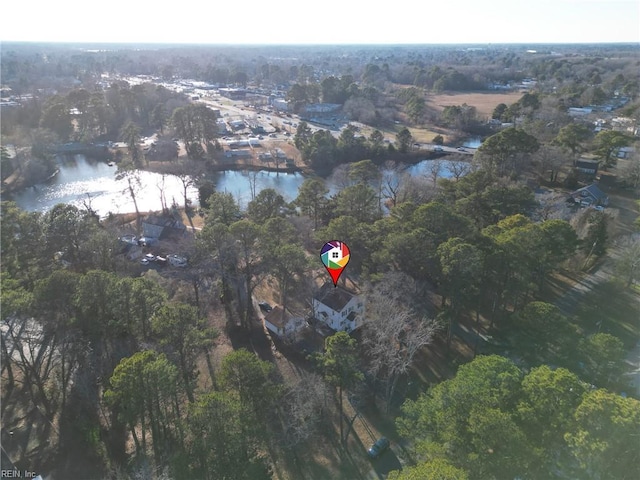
[384,464]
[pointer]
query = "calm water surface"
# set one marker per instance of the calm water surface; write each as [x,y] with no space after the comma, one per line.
[472,142]
[83,179]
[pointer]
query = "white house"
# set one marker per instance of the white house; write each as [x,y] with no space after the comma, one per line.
[282,323]
[338,308]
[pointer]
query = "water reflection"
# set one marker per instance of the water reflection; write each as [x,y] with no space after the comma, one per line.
[242,185]
[82,180]
[427,167]
[472,142]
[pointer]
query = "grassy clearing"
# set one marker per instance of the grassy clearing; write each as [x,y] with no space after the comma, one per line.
[420,134]
[426,135]
[483,101]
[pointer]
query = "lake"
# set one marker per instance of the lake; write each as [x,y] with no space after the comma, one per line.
[82,179]
[239,184]
[472,142]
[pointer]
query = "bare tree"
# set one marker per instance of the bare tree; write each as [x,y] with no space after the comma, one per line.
[393,333]
[132,177]
[187,181]
[391,181]
[460,168]
[32,352]
[163,198]
[435,167]
[303,409]
[253,177]
[627,262]
[550,161]
[552,205]
[629,170]
[416,189]
[340,177]
[88,206]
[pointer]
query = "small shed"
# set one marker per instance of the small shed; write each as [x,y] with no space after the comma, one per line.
[282,322]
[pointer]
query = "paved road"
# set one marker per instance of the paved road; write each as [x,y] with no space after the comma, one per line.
[444,149]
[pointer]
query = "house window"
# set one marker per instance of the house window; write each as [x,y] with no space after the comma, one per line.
[344,314]
[335,255]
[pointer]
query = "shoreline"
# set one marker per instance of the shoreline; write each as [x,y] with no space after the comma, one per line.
[19,184]
[253,168]
[178,168]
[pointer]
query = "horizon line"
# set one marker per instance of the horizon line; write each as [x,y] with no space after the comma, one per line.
[309,44]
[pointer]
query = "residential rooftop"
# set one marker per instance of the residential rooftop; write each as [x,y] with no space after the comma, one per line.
[335,298]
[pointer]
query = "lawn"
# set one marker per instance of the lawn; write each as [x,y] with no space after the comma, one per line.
[420,134]
[483,101]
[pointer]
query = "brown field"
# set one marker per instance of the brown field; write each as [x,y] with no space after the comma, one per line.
[484,102]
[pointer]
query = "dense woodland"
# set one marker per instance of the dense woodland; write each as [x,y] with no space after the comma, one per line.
[165,374]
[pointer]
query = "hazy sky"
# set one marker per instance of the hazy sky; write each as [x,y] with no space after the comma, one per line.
[324,21]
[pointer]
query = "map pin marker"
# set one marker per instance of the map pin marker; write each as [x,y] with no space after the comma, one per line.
[335,256]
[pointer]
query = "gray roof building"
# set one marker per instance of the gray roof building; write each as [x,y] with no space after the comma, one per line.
[590,195]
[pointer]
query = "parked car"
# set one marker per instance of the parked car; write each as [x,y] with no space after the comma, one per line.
[147,241]
[265,307]
[438,149]
[461,149]
[379,447]
[177,261]
[129,239]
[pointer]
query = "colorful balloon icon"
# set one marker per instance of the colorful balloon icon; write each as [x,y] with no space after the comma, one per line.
[335,256]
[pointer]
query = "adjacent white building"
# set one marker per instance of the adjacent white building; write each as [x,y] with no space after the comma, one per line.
[282,323]
[338,308]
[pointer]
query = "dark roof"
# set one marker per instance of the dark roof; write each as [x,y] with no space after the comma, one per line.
[162,226]
[587,164]
[335,298]
[591,190]
[275,317]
